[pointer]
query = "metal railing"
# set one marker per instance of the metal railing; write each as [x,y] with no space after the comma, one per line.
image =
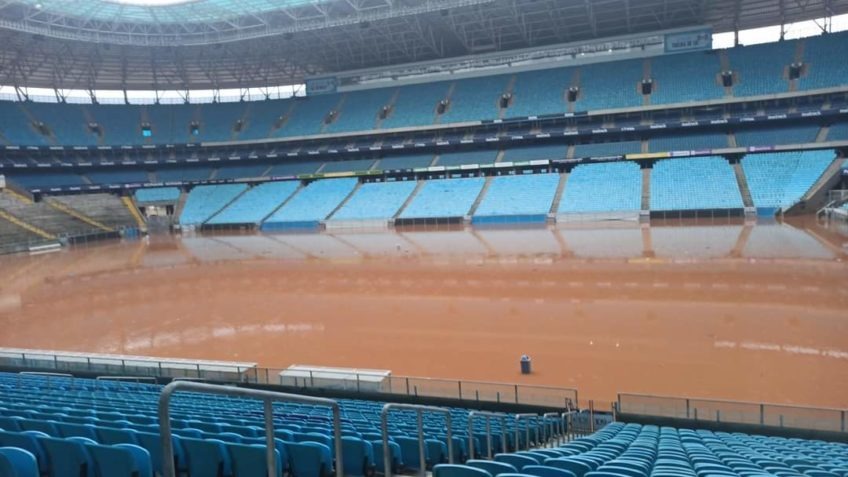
[420,410]
[736,412]
[461,390]
[248,373]
[518,419]
[267,397]
[488,416]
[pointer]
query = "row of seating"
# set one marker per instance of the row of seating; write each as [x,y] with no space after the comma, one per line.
[778,179]
[756,70]
[681,141]
[58,420]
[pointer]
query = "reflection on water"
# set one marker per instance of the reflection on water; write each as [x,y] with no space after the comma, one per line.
[750,312]
[765,241]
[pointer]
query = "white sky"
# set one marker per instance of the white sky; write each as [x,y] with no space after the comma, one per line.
[720,40]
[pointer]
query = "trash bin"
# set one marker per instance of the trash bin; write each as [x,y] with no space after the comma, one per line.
[526,364]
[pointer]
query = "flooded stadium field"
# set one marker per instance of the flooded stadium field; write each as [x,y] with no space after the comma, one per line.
[755,313]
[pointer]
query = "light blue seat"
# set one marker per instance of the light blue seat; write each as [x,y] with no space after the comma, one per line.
[16,462]
[357,455]
[577,467]
[47,427]
[515,460]
[29,442]
[693,184]
[121,460]
[395,453]
[309,459]
[492,467]
[547,471]
[605,187]
[109,436]
[444,198]
[780,180]
[205,201]
[312,203]
[529,196]
[777,135]
[456,470]
[410,454]
[68,457]
[206,457]
[152,443]
[251,460]
[77,430]
[437,452]
[375,200]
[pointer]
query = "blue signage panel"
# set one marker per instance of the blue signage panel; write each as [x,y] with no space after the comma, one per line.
[701,39]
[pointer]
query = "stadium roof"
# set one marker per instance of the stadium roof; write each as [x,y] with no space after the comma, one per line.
[216,44]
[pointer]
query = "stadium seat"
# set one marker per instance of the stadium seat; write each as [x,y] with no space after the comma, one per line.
[492,467]
[395,453]
[207,457]
[250,460]
[516,460]
[309,459]
[68,457]
[121,460]
[456,470]
[357,456]
[546,471]
[15,462]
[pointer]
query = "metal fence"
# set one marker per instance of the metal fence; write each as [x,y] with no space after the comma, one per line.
[462,390]
[737,412]
[248,373]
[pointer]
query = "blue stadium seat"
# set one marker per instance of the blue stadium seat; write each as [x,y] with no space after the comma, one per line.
[694,183]
[456,470]
[779,180]
[410,453]
[530,196]
[204,201]
[121,460]
[376,200]
[492,467]
[311,204]
[604,187]
[251,460]
[358,456]
[28,441]
[110,436]
[516,460]
[15,462]
[207,457]
[607,149]
[546,471]
[541,92]
[309,459]
[395,452]
[68,457]
[444,198]
[760,68]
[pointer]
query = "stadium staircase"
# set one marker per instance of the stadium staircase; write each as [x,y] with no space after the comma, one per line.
[130,205]
[409,199]
[58,205]
[283,203]
[20,223]
[178,210]
[480,196]
[743,185]
[816,197]
[646,189]
[563,179]
[345,200]
[822,135]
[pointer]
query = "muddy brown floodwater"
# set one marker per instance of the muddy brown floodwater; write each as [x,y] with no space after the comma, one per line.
[736,312]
